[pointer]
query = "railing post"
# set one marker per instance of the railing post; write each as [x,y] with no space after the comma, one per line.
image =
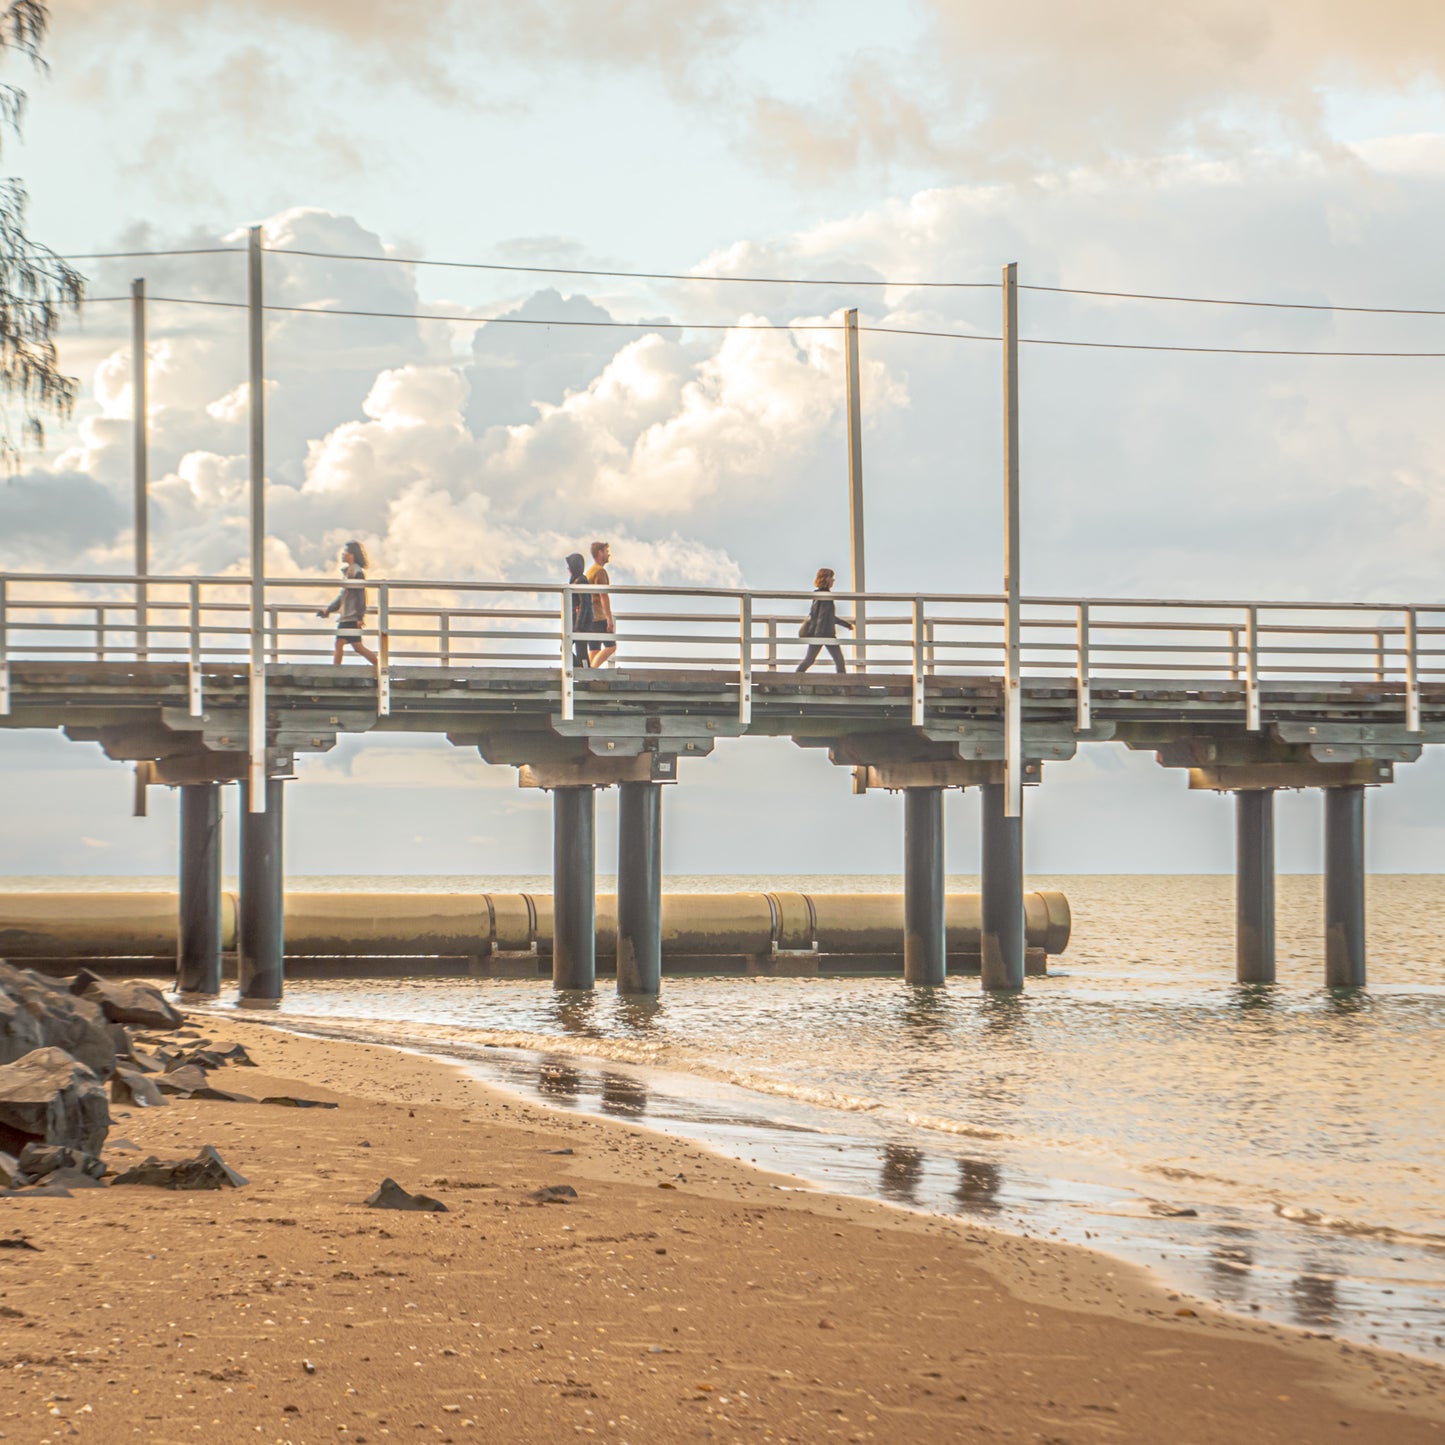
[4,653]
[1380,655]
[772,644]
[568,679]
[445,642]
[100,634]
[918,665]
[1412,673]
[193,634]
[1234,654]
[1082,721]
[930,654]
[745,659]
[273,632]
[383,651]
[1251,671]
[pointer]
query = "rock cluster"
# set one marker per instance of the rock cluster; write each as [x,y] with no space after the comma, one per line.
[61,1041]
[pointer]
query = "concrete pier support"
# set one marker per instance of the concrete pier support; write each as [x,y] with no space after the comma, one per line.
[262,946]
[1345,887]
[1002,885]
[925,957]
[639,888]
[198,950]
[574,887]
[1254,886]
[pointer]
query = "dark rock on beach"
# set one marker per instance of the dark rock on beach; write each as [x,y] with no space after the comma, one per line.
[38,1160]
[48,1097]
[38,1012]
[553,1194]
[184,1080]
[126,1001]
[132,1087]
[290,1101]
[206,1171]
[390,1195]
[225,1096]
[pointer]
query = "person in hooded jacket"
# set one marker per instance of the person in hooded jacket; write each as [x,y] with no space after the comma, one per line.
[582,610]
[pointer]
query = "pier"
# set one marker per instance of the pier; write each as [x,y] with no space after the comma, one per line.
[1247,697]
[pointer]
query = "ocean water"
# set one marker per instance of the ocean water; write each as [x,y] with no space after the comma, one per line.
[1277,1149]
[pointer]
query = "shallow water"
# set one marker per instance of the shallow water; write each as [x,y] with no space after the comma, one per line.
[1301,1127]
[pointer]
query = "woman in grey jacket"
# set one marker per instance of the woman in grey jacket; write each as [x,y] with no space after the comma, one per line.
[350,604]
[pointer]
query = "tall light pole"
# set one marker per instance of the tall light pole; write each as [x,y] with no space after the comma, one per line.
[1013,688]
[256,791]
[855,491]
[140,422]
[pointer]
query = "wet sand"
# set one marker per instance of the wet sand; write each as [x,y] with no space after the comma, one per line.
[681,1296]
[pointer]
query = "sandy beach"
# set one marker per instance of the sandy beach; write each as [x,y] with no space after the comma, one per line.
[680,1296]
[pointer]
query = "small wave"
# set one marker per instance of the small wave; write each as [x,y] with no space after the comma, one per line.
[953,1126]
[824,1098]
[1317,1219]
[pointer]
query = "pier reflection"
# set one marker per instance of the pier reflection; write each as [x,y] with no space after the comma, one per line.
[1231,1260]
[576,1013]
[559,1082]
[923,1015]
[638,1014]
[902,1173]
[978,1186]
[623,1095]
[1314,1297]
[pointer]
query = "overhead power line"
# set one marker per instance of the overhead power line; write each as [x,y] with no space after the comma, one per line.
[781,326]
[136,255]
[1228,301]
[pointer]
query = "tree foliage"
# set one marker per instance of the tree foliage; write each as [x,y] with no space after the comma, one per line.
[36,286]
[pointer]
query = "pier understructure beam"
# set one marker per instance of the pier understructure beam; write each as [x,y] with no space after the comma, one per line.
[1342,759]
[262,924]
[637,753]
[921,762]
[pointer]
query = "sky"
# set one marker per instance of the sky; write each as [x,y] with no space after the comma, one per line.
[1288,151]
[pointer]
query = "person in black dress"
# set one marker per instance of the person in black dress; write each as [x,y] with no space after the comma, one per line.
[823,621]
[582,611]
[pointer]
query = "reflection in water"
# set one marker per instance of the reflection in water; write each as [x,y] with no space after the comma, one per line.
[1230,1262]
[638,1013]
[902,1173]
[1258,997]
[978,1185]
[559,1082]
[1314,1298]
[576,1012]
[924,1015]
[623,1095]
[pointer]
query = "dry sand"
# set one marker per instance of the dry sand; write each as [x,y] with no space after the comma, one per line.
[681,1297]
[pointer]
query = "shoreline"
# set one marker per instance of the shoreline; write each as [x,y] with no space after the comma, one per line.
[720,1306]
[1237,1259]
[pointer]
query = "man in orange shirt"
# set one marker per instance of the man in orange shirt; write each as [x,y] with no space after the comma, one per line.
[603,620]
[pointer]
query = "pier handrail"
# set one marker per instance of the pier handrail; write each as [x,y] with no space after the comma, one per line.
[452,623]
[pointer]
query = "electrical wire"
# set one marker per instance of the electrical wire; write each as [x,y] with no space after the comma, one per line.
[787,326]
[1227,301]
[136,255]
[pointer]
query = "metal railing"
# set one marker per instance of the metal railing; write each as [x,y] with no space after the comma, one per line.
[1082,643]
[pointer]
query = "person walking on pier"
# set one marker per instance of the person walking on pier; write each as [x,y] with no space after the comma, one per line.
[350,604]
[581,609]
[602,618]
[823,621]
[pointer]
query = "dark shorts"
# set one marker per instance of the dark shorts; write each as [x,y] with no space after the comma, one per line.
[348,629]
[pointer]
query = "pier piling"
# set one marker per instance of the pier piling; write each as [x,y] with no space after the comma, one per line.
[574,887]
[925,957]
[639,888]
[1254,886]
[262,945]
[1344,887]
[1002,886]
[198,951]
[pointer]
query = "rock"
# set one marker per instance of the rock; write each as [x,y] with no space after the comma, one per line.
[290,1101]
[390,1195]
[38,1160]
[127,1001]
[206,1171]
[38,1012]
[9,1170]
[181,1081]
[18,1241]
[234,1054]
[129,1087]
[553,1194]
[50,1098]
[226,1096]
[143,1063]
[196,1058]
